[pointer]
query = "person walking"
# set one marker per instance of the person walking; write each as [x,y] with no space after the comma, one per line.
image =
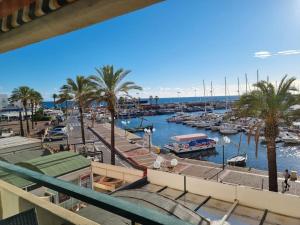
[286,178]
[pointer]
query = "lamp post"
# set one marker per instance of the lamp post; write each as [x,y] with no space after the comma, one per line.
[149,132]
[223,141]
[125,124]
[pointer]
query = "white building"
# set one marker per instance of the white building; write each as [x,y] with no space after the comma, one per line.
[3,100]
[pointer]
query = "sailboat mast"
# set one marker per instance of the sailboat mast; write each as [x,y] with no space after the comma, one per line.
[238,79]
[225,94]
[204,96]
[246,83]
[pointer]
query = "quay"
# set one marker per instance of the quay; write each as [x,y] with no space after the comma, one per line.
[139,157]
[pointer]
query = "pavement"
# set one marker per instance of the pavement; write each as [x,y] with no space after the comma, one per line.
[139,153]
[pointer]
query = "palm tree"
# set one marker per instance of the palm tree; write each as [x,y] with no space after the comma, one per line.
[22,94]
[64,97]
[109,83]
[81,92]
[54,96]
[35,99]
[271,105]
[156,99]
[38,99]
[150,99]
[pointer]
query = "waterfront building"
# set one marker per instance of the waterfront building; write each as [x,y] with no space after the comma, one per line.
[3,101]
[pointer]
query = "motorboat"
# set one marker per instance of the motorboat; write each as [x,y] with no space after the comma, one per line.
[238,160]
[228,131]
[290,138]
[215,128]
[190,143]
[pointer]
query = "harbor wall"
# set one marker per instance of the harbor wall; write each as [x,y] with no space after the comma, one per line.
[285,204]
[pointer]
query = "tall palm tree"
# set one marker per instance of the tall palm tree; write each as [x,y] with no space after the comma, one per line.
[271,105]
[80,91]
[156,99]
[150,99]
[64,97]
[22,94]
[54,96]
[109,83]
[38,99]
[35,99]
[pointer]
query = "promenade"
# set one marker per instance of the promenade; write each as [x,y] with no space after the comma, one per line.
[139,155]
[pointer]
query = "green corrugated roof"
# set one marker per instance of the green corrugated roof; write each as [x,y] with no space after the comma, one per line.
[54,165]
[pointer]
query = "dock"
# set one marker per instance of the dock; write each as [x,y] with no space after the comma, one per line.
[140,157]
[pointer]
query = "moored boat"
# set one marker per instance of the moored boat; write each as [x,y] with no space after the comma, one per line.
[238,160]
[191,143]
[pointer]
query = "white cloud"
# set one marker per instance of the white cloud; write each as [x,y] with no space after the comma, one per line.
[266,54]
[262,54]
[289,52]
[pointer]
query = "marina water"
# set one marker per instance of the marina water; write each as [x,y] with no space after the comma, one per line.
[287,156]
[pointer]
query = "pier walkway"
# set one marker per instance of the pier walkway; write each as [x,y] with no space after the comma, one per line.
[140,155]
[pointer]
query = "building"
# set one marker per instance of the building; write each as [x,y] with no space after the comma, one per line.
[17,149]
[67,166]
[3,101]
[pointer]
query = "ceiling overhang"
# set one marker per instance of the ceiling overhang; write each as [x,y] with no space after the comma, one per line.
[24,22]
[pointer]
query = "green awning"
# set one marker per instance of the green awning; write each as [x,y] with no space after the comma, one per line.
[54,165]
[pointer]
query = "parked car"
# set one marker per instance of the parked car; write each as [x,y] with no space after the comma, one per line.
[55,136]
[58,129]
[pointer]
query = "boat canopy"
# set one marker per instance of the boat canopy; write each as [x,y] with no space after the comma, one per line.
[189,137]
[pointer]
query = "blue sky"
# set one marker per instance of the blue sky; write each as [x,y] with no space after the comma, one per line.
[170,47]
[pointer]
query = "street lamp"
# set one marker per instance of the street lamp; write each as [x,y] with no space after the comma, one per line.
[149,131]
[125,123]
[223,141]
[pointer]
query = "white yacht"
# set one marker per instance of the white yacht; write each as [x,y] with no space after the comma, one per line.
[290,138]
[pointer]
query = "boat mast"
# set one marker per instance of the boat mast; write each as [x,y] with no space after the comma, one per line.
[204,96]
[225,94]
[246,83]
[238,79]
[211,94]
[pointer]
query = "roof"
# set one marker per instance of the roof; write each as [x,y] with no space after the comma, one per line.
[189,137]
[54,165]
[24,22]
[24,155]
[17,141]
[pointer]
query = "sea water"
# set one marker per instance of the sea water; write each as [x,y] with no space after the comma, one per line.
[287,156]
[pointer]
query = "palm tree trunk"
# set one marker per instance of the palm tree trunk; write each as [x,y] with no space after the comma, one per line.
[27,123]
[272,164]
[112,138]
[35,117]
[21,124]
[66,109]
[82,125]
[32,125]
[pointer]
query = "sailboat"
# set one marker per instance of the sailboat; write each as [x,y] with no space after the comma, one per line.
[140,128]
[240,159]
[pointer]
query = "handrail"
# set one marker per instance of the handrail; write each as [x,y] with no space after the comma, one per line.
[112,204]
